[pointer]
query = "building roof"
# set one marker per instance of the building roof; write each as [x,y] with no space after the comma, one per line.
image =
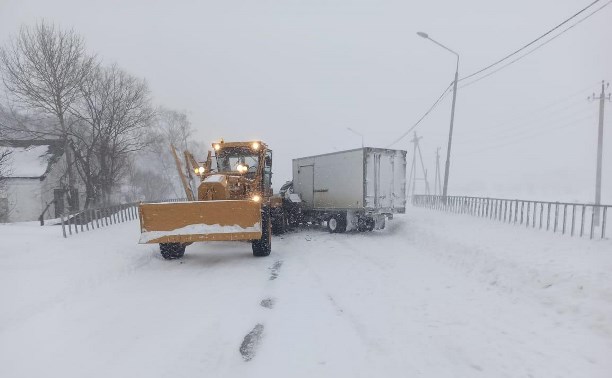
[32,158]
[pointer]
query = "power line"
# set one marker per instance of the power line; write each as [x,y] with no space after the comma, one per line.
[510,121]
[535,40]
[433,106]
[520,127]
[530,51]
[445,92]
[519,138]
[517,125]
[544,108]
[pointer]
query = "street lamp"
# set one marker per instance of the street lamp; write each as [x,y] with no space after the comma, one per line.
[450,132]
[355,132]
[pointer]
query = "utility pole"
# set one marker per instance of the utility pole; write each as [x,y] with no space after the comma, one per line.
[437,182]
[602,100]
[452,120]
[450,134]
[413,175]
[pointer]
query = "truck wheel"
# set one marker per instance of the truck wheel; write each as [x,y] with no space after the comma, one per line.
[172,251]
[361,225]
[336,223]
[370,224]
[293,221]
[366,224]
[263,246]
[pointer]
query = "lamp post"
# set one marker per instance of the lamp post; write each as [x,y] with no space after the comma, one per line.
[355,132]
[452,120]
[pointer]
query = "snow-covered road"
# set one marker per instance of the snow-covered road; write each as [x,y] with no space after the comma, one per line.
[433,295]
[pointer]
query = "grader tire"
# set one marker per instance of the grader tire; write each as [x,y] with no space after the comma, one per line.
[263,246]
[279,224]
[172,251]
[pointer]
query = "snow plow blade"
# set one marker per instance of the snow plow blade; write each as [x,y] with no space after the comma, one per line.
[194,221]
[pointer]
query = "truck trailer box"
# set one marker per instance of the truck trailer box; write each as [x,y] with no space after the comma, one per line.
[370,180]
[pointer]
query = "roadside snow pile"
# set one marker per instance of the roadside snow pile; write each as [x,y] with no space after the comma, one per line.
[39,269]
[569,275]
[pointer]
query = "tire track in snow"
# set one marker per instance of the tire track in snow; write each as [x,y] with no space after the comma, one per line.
[358,327]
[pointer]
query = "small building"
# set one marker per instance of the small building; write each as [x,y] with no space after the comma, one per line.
[36,183]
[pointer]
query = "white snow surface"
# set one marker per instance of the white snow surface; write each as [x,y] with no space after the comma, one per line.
[433,295]
[198,229]
[29,162]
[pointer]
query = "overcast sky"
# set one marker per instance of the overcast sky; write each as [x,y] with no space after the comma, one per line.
[297,73]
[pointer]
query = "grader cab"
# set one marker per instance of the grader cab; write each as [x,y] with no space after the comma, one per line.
[232,203]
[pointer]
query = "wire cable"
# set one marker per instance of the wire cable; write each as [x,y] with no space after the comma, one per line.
[532,42]
[445,92]
[532,50]
[518,138]
[433,106]
[523,126]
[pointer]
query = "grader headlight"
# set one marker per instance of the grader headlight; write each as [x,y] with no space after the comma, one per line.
[201,170]
[241,168]
[256,198]
[255,146]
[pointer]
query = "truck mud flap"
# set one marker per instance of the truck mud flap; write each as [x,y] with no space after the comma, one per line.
[194,221]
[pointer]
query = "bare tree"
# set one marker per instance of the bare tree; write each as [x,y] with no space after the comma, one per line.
[5,155]
[5,167]
[146,184]
[172,127]
[89,115]
[43,68]
[112,120]
[5,170]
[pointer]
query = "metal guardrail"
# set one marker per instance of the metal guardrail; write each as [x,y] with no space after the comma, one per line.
[575,219]
[94,218]
[91,219]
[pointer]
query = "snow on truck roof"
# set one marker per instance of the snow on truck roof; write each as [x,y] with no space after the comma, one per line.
[364,149]
[31,158]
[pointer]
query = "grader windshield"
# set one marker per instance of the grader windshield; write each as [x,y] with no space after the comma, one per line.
[237,159]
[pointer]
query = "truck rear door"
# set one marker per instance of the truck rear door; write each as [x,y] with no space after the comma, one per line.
[385,180]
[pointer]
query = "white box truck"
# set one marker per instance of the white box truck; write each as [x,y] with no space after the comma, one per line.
[345,190]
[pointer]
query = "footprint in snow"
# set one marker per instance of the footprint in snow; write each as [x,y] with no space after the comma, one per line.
[267,303]
[274,269]
[251,341]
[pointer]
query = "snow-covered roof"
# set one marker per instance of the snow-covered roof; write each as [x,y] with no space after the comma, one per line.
[31,158]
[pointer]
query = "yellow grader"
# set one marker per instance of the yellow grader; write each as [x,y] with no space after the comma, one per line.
[234,202]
